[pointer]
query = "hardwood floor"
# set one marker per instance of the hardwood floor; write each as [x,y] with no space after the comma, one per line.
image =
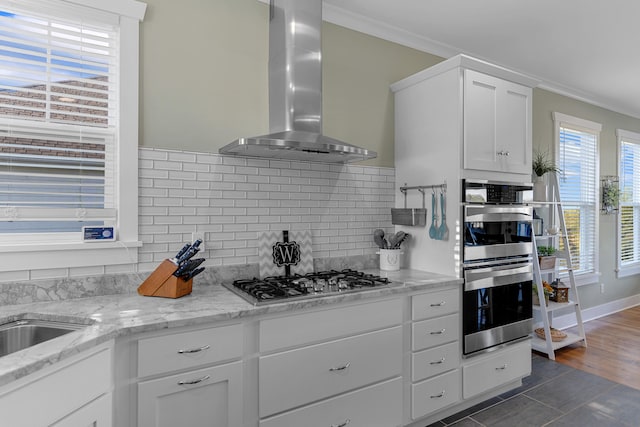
[613,350]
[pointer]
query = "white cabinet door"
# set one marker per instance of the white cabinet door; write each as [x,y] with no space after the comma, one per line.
[209,397]
[95,414]
[298,377]
[497,124]
[53,393]
[377,405]
[496,369]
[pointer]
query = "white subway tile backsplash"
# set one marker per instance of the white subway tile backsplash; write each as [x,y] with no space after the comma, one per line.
[234,199]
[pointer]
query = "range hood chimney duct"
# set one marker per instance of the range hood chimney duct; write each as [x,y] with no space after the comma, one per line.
[295,92]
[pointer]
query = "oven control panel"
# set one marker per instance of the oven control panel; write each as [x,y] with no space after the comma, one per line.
[494,192]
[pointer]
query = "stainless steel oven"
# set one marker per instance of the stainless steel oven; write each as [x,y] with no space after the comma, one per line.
[497,267]
[496,304]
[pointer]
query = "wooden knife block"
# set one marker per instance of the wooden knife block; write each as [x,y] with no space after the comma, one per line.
[162,283]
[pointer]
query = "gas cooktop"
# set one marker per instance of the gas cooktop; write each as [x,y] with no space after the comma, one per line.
[286,288]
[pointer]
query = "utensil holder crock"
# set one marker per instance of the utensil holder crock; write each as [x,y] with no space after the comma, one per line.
[390,259]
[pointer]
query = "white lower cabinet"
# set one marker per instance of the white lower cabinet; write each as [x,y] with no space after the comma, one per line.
[435,393]
[191,378]
[204,397]
[377,405]
[296,377]
[95,414]
[493,369]
[64,395]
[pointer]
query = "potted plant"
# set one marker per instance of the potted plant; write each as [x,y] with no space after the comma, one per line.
[547,290]
[610,194]
[546,257]
[541,165]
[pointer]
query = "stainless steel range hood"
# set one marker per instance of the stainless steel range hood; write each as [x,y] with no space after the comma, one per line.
[295,92]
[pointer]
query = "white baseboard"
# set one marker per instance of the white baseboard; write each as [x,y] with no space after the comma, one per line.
[568,320]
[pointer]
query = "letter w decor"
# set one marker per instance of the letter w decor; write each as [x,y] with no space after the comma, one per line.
[283,253]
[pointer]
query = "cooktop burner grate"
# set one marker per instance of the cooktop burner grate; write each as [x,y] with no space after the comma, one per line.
[279,288]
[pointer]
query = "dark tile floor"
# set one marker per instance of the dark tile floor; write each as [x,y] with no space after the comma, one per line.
[555,395]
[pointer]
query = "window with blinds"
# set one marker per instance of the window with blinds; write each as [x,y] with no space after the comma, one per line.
[58,119]
[578,162]
[629,214]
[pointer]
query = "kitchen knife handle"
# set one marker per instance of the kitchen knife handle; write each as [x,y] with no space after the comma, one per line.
[195,350]
[199,380]
[182,251]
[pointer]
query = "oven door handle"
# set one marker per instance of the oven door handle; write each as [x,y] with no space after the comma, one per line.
[496,276]
[497,213]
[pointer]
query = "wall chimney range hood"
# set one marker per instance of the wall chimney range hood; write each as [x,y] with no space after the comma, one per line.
[295,92]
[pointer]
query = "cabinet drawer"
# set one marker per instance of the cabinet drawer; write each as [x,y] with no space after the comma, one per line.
[379,405]
[495,369]
[433,332]
[429,363]
[308,328]
[435,304]
[297,377]
[187,350]
[205,397]
[436,393]
[55,392]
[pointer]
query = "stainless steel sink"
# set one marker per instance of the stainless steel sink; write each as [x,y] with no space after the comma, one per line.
[25,333]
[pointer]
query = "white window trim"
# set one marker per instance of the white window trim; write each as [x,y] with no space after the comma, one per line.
[560,120]
[36,256]
[631,270]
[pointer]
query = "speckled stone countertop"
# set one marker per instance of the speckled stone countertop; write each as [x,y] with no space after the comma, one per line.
[108,317]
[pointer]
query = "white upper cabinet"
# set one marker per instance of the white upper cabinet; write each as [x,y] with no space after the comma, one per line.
[496,124]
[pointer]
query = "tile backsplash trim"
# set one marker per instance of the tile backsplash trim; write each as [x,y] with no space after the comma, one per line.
[230,201]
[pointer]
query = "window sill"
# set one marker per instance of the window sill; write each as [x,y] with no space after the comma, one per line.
[628,271]
[39,256]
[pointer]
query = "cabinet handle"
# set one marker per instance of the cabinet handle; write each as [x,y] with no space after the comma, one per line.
[437,362]
[347,421]
[506,153]
[340,368]
[194,350]
[438,396]
[501,368]
[440,332]
[199,380]
[439,304]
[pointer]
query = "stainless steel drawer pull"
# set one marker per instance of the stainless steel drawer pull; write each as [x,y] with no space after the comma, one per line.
[440,332]
[194,350]
[347,421]
[501,368]
[437,362]
[340,368]
[439,304]
[438,396]
[199,380]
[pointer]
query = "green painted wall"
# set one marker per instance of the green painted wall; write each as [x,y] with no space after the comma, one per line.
[204,78]
[544,104]
[204,83]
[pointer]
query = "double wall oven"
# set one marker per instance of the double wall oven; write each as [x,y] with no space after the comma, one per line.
[497,263]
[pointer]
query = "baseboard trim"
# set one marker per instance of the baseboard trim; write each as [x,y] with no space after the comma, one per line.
[569,320]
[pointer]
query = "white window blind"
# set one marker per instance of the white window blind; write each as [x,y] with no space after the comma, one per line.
[578,184]
[58,119]
[629,214]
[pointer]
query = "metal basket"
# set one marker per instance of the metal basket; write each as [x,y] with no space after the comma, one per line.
[408,216]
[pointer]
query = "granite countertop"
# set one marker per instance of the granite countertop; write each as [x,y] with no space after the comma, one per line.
[108,317]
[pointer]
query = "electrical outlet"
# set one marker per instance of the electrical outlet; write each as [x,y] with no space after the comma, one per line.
[602,288]
[198,235]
